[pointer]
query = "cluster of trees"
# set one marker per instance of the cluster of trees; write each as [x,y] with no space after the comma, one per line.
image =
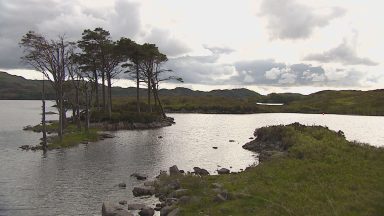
[92,63]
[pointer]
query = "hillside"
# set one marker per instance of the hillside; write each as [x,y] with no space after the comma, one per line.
[222,101]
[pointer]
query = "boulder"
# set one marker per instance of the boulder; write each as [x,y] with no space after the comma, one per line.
[150,183]
[122,185]
[200,171]
[220,198]
[110,209]
[171,201]
[184,199]
[174,170]
[123,202]
[174,212]
[174,185]
[147,211]
[139,176]
[143,191]
[214,147]
[217,185]
[231,140]
[223,171]
[179,193]
[136,206]
[166,210]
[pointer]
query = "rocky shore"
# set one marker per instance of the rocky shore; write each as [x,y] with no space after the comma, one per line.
[169,191]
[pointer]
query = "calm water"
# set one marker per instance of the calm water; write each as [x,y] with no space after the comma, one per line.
[76,181]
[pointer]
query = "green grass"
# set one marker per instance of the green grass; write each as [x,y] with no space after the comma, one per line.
[322,174]
[73,138]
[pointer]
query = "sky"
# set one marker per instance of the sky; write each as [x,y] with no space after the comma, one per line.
[264,45]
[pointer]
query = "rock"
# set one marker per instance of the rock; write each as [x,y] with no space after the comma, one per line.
[143,191]
[182,171]
[147,211]
[106,136]
[214,147]
[217,185]
[231,140]
[157,208]
[250,138]
[219,198]
[173,170]
[179,193]
[160,137]
[223,171]
[161,205]
[174,185]
[171,201]
[123,202]
[174,212]
[136,206]
[122,185]
[184,199]
[109,209]
[166,210]
[139,176]
[200,171]
[25,147]
[150,183]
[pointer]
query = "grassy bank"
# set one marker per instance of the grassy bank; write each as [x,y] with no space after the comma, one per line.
[315,171]
[72,135]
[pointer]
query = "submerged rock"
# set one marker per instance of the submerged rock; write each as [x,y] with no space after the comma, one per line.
[143,191]
[122,185]
[139,176]
[147,211]
[110,209]
[136,206]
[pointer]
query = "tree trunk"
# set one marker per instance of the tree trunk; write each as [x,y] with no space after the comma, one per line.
[78,121]
[96,88]
[137,89]
[109,96]
[86,111]
[156,95]
[103,89]
[43,118]
[149,95]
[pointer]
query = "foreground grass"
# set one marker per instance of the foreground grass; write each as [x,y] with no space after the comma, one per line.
[321,174]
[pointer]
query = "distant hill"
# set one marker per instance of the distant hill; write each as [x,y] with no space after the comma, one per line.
[14,87]
[18,88]
[223,101]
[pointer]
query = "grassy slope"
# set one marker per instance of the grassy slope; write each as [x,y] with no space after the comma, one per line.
[322,174]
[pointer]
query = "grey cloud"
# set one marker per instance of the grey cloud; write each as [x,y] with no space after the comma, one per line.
[218,50]
[344,53]
[171,46]
[53,18]
[200,69]
[207,70]
[288,19]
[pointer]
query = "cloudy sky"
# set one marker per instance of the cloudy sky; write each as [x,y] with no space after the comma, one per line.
[264,45]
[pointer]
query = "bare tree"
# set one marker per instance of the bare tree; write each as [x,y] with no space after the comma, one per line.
[49,57]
